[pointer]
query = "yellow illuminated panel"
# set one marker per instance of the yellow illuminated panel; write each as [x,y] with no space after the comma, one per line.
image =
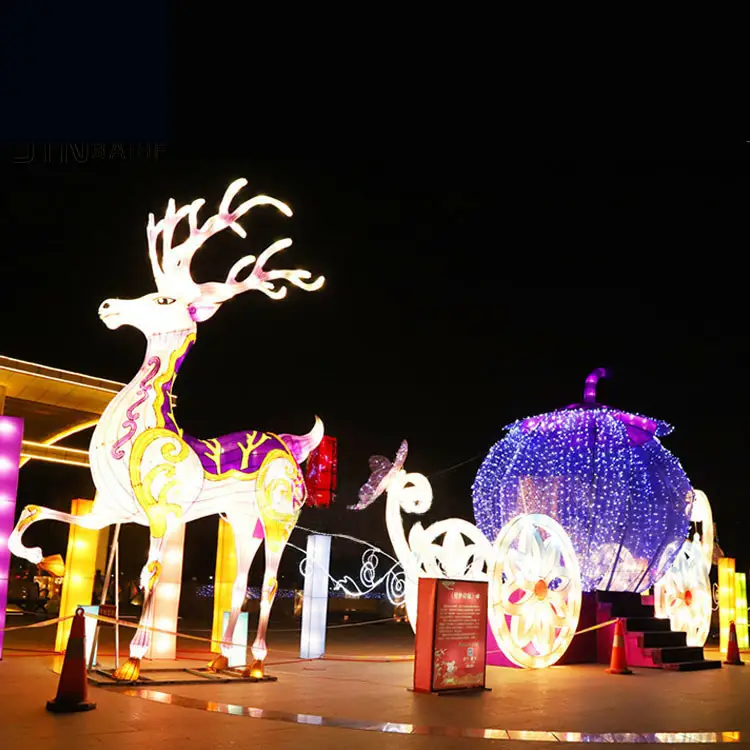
[740,603]
[80,569]
[167,598]
[226,572]
[727,601]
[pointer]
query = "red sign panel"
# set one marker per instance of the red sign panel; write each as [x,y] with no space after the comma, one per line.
[451,641]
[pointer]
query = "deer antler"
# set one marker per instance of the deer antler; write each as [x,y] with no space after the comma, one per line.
[172,274]
[260,279]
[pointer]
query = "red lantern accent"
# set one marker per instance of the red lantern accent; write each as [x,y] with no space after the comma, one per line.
[320,474]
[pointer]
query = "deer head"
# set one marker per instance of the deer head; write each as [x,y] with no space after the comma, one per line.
[180,302]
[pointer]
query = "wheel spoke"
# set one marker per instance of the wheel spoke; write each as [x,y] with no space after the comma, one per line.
[522,626]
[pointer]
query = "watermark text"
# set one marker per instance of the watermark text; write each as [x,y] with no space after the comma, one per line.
[81,153]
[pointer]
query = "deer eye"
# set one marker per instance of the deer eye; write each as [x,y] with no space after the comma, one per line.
[164,300]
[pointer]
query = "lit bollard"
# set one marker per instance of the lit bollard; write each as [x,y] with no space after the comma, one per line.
[167,598]
[740,613]
[315,597]
[238,654]
[224,575]
[727,601]
[80,570]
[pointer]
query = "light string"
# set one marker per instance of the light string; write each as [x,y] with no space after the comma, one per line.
[393,578]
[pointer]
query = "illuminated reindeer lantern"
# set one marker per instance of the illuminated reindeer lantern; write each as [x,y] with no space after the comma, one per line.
[148,471]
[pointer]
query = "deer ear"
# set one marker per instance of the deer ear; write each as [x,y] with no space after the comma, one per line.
[210,298]
[200,311]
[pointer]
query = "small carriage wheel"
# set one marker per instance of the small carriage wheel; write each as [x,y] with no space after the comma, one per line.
[701,513]
[535,591]
[685,591]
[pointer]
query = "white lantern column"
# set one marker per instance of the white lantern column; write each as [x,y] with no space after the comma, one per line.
[315,597]
[167,598]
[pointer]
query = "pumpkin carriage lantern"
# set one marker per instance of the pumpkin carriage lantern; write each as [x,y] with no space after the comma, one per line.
[584,498]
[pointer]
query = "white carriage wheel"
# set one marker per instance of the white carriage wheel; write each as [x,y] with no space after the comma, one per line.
[686,593]
[535,591]
[701,513]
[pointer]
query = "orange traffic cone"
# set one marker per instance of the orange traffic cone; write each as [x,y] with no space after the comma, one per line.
[618,664]
[733,650]
[72,690]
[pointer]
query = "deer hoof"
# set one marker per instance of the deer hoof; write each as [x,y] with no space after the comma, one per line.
[218,664]
[53,564]
[254,670]
[129,671]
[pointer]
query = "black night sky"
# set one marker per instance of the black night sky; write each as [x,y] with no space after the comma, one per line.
[458,299]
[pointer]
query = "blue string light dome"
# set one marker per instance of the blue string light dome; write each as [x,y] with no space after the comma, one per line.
[604,476]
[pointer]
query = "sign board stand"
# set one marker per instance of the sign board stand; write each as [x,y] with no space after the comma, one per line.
[90,640]
[450,650]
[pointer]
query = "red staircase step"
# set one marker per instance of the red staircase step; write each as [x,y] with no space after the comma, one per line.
[650,641]
[692,666]
[662,639]
[675,655]
[643,624]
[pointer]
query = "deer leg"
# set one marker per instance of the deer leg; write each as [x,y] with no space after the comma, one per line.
[99,517]
[273,549]
[280,494]
[139,646]
[246,549]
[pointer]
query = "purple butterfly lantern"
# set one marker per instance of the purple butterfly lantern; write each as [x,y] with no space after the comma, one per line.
[382,470]
[604,476]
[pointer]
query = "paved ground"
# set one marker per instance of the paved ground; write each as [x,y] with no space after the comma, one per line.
[328,703]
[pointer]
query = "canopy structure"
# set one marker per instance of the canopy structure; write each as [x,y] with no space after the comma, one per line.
[54,405]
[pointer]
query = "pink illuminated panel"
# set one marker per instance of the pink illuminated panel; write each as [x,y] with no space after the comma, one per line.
[11,435]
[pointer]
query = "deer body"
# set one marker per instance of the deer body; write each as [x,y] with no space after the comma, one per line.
[148,471]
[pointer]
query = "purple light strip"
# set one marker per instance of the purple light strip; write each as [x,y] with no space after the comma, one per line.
[644,423]
[11,437]
[589,390]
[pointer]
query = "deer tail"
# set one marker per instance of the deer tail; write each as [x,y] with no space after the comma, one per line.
[302,446]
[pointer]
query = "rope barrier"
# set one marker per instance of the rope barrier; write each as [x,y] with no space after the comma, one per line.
[578,632]
[383,659]
[42,624]
[331,657]
[113,621]
[134,626]
[336,627]
[596,627]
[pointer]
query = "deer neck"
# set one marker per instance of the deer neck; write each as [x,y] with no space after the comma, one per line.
[146,402]
[165,354]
